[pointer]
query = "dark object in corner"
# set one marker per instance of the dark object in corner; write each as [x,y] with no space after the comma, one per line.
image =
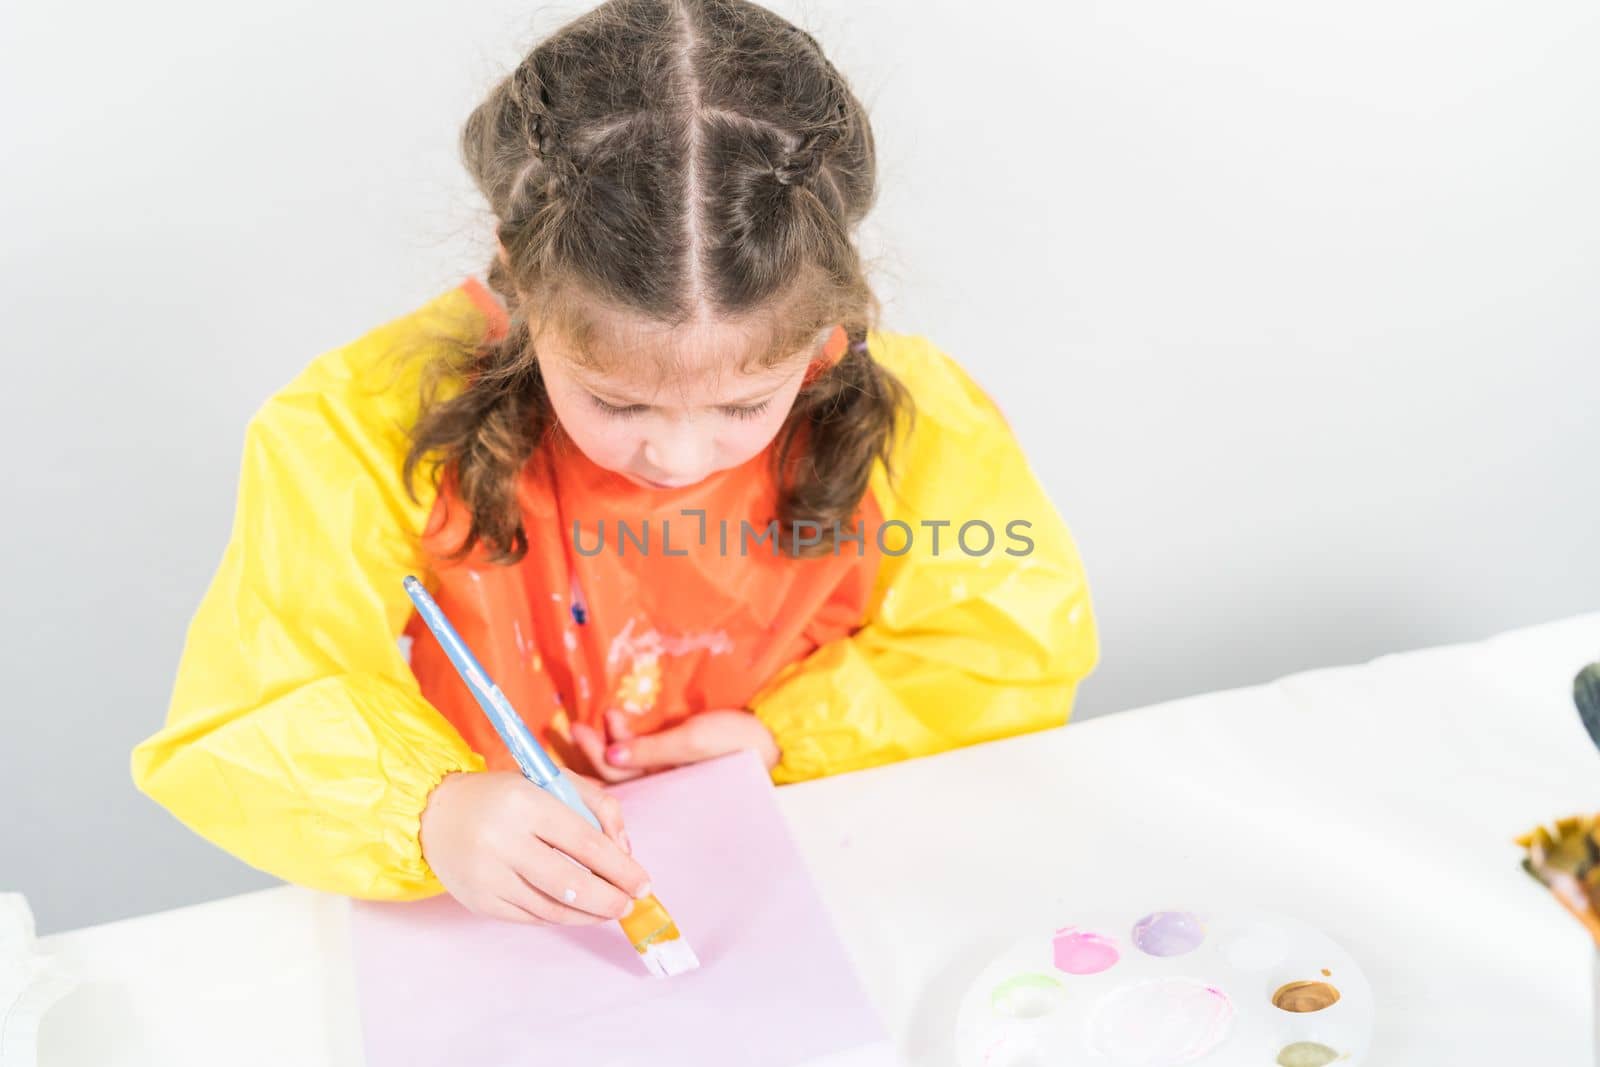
[1586,694]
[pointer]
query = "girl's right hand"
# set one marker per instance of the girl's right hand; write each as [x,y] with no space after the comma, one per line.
[492,837]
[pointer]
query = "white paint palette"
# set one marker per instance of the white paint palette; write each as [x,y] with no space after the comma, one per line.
[1166,988]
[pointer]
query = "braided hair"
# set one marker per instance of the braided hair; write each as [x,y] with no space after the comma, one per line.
[668,156]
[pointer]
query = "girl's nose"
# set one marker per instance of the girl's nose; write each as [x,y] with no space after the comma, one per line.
[680,454]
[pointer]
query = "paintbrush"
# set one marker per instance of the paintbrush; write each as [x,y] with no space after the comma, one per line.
[650,929]
[1566,858]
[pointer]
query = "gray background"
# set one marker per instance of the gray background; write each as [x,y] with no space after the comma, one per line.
[1293,305]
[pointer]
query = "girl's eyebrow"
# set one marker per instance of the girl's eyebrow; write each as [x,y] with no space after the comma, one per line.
[618,400]
[588,369]
[619,397]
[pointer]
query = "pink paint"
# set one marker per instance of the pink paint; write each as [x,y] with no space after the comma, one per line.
[1081,952]
[1160,1023]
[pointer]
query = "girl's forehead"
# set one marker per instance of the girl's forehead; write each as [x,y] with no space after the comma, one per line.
[705,358]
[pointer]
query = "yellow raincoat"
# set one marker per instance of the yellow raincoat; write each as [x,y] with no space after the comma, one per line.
[300,739]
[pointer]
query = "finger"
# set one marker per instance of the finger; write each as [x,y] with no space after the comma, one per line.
[618,726]
[688,743]
[606,808]
[570,834]
[566,886]
[555,912]
[537,906]
[593,747]
[506,911]
[594,750]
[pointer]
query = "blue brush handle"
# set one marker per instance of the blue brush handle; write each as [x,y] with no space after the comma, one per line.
[535,763]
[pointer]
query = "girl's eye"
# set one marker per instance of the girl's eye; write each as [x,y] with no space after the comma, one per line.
[615,411]
[751,412]
[623,412]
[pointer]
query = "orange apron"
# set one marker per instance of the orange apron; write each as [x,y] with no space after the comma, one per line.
[653,612]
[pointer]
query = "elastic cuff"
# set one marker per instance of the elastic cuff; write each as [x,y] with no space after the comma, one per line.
[414,878]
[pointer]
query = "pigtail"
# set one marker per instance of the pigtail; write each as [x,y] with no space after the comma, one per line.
[845,423]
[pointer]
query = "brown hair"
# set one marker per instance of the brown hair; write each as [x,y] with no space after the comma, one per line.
[661,157]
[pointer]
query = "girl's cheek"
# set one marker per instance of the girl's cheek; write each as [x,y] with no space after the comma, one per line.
[733,448]
[614,451]
[759,434]
[602,439]
[596,447]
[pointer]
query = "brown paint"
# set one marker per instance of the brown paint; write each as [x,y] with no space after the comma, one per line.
[1305,996]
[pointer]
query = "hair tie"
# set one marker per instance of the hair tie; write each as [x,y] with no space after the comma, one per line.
[799,171]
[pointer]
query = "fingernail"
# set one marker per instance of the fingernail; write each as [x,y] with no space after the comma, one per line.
[642,892]
[617,755]
[622,839]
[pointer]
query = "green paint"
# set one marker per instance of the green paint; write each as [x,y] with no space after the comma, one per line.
[1306,1054]
[1027,996]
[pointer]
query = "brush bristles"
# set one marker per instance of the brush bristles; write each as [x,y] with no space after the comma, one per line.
[667,958]
[656,938]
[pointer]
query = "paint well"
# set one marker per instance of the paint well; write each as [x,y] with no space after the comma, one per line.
[1027,996]
[1305,996]
[1257,949]
[1160,1023]
[1306,1054]
[1081,952]
[1168,933]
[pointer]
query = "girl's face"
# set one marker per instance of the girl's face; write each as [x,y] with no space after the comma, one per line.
[666,430]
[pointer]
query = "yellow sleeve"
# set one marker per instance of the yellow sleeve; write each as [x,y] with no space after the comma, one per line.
[957,648]
[297,738]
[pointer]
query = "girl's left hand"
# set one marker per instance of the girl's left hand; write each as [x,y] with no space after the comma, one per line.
[700,737]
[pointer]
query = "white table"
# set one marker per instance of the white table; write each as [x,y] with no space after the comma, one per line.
[1376,801]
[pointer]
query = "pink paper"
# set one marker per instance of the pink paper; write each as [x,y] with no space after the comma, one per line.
[439,985]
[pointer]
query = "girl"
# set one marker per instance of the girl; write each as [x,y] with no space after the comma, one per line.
[674,490]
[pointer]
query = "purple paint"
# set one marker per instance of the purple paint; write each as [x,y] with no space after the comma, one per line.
[1168,933]
[1081,952]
